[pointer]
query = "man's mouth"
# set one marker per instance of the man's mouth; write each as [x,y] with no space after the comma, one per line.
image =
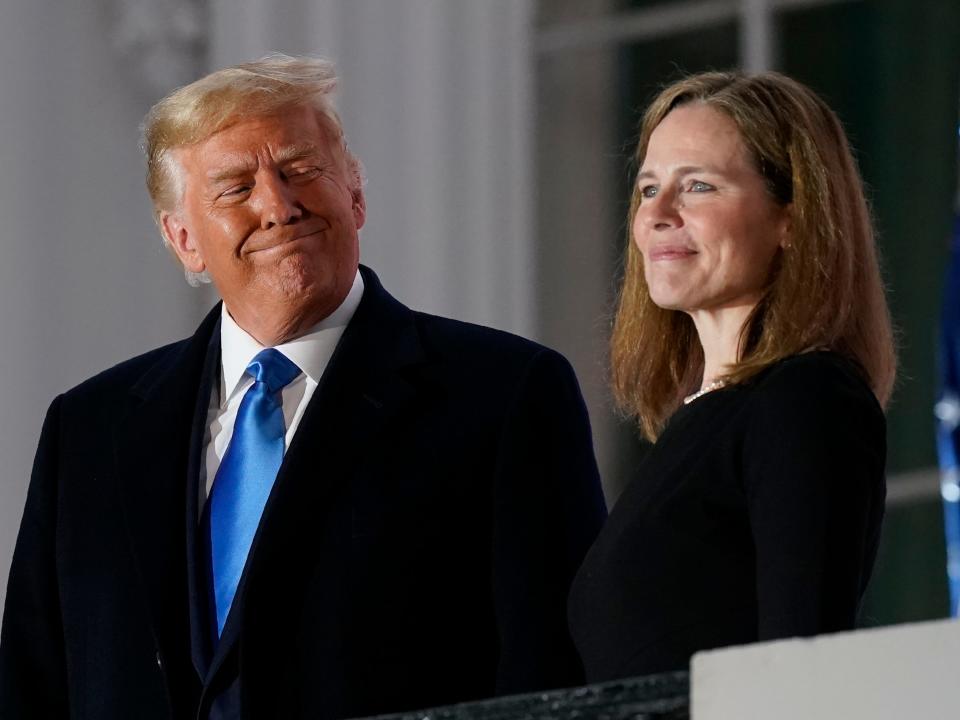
[288,242]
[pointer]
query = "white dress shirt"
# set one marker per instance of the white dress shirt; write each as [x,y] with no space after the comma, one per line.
[311,352]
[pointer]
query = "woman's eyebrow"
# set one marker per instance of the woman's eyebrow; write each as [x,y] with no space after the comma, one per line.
[682,170]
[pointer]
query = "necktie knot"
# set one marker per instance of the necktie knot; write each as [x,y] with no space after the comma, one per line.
[272,367]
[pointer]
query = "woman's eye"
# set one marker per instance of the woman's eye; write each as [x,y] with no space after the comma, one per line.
[700,186]
[649,191]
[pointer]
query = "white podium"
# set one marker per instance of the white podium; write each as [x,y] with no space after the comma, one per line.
[907,672]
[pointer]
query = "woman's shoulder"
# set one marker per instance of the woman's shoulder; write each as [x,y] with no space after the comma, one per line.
[811,419]
[820,369]
[821,382]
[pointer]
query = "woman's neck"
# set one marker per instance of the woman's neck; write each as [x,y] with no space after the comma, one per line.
[720,331]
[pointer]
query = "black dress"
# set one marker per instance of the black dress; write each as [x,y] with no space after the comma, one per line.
[755,516]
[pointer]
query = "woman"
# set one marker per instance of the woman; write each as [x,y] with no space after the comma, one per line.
[753,344]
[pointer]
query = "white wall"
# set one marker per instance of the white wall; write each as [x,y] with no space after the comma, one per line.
[84,281]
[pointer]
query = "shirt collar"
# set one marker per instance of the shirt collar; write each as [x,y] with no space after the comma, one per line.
[311,351]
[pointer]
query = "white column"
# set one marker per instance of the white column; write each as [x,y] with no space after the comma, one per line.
[435,100]
[757,36]
[84,280]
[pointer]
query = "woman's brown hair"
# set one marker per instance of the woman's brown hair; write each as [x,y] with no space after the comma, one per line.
[825,289]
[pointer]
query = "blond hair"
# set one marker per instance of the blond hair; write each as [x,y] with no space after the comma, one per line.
[825,289]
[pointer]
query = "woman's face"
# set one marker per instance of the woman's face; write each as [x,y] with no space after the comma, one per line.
[706,226]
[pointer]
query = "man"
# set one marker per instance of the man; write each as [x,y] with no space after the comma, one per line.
[321,505]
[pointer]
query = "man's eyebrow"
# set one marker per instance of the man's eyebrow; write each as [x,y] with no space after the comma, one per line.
[237,167]
[242,165]
[296,152]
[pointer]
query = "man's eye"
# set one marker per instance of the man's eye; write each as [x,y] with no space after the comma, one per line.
[649,191]
[303,173]
[235,191]
[700,186]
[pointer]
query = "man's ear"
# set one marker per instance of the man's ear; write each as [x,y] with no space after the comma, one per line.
[359,208]
[181,242]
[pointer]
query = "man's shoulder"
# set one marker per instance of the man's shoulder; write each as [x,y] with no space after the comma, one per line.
[495,352]
[445,335]
[123,376]
[149,370]
[462,336]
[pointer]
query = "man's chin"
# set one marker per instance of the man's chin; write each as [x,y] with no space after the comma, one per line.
[294,276]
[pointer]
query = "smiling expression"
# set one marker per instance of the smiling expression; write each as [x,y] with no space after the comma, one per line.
[271,211]
[706,225]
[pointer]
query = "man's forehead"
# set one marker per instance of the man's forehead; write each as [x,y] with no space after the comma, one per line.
[273,132]
[274,138]
[251,157]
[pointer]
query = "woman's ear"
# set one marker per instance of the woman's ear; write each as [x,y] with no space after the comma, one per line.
[785,227]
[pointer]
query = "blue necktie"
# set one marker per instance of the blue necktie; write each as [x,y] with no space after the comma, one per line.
[246,474]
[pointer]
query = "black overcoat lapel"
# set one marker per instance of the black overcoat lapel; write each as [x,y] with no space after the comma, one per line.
[199,572]
[153,441]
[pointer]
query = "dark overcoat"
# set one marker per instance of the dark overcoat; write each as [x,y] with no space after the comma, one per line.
[416,550]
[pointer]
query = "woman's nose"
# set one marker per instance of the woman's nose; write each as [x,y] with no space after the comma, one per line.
[660,212]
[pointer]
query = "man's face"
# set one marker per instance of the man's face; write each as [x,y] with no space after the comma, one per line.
[271,210]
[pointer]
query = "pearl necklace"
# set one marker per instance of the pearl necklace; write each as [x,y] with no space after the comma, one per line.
[715,385]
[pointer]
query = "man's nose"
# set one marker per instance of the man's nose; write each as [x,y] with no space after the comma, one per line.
[278,201]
